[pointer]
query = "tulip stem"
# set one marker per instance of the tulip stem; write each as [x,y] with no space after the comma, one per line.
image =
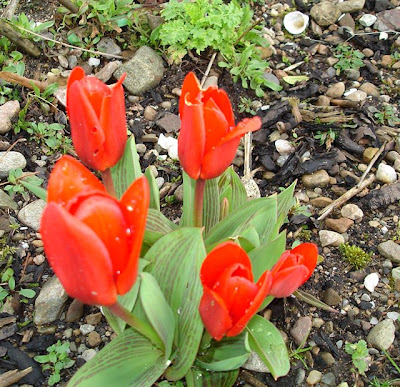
[198,202]
[108,182]
[139,325]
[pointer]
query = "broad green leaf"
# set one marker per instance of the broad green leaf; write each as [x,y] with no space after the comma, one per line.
[129,360]
[264,257]
[249,239]
[128,300]
[189,186]
[267,342]
[127,169]
[201,378]
[28,293]
[157,311]
[272,85]
[175,263]
[40,192]
[154,192]
[211,209]
[232,188]
[225,355]
[285,203]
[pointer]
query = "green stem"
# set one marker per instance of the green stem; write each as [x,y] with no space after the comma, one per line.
[108,182]
[198,202]
[205,342]
[139,325]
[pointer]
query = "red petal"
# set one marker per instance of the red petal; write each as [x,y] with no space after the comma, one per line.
[264,284]
[96,91]
[104,216]
[224,255]
[86,131]
[78,257]
[70,178]
[309,252]
[286,281]
[243,127]
[191,140]
[135,204]
[76,74]
[214,314]
[190,86]
[216,125]
[222,100]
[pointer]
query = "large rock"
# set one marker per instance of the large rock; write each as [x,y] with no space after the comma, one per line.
[390,250]
[381,335]
[388,20]
[350,6]
[325,13]
[8,111]
[6,202]
[316,179]
[49,302]
[330,238]
[11,160]
[30,215]
[143,72]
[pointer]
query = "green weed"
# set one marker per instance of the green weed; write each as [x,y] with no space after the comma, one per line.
[348,58]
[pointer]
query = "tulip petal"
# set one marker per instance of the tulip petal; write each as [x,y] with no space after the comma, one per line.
[78,257]
[309,252]
[222,101]
[191,86]
[214,314]
[135,204]
[224,255]
[286,281]
[263,284]
[103,215]
[95,90]
[243,127]
[76,74]
[70,178]
[191,140]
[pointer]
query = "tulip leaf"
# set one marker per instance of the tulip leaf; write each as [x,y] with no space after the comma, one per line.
[189,186]
[267,342]
[157,222]
[225,355]
[232,188]
[127,169]
[40,192]
[197,377]
[175,262]
[128,300]
[249,239]
[264,257]
[212,206]
[128,360]
[154,191]
[286,202]
[157,310]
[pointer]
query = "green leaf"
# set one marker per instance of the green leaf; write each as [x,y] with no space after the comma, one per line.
[293,79]
[310,299]
[127,169]
[154,192]
[129,360]
[285,203]
[28,293]
[40,192]
[157,311]
[272,85]
[249,239]
[189,186]
[237,193]
[212,207]
[175,263]
[225,355]
[267,342]
[202,378]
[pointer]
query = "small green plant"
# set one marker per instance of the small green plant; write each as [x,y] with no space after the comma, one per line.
[17,178]
[359,355]
[246,105]
[45,97]
[51,135]
[305,234]
[7,287]
[299,354]
[326,138]
[22,21]
[348,58]
[387,116]
[355,255]
[56,360]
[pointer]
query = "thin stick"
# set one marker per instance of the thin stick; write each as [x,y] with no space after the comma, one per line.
[372,33]
[22,81]
[203,80]
[257,21]
[372,162]
[10,9]
[247,155]
[12,377]
[70,45]
[249,378]
[70,6]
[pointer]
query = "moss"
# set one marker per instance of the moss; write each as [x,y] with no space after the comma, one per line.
[355,255]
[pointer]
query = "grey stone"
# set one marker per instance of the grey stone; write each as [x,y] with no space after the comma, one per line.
[370,89]
[169,122]
[386,174]
[254,363]
[88,354]
[382,335]
[301,330]
[336,90]
[348,22]
[75,311]
[330,238]
[72,61]
[8,111]
[179,194]
[316,179]
[86,329]
[329,378]
[300,376]
[31,214]
[143,72]
[49,302]
[160,181]
[272,78]
[390,250]
[367,20]
[352,74]
[388,20]
[357,96]
[314,377]
[325,13]
[353,212]
[108,46]
[6,202]
[11,160]
[350,6]
[328,359]
[331,297]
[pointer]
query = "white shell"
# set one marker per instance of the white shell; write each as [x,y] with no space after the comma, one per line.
[370,281]
[295,22]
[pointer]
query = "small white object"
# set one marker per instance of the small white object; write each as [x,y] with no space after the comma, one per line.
[350,91]
[386,174]
[383,36]
[284,147]
[367,20]
[373,321]
[393,315]
[370,281]
[94,62]
[295,22]
[170,144]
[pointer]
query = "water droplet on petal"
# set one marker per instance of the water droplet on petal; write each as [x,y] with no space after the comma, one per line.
[118,272]
[128,231]
[117,239]
[129,208]
[93,293]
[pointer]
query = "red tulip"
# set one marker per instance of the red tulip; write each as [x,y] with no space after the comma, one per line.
[293,269]
[230,297]
[97,117]
[92,240]
[208,138]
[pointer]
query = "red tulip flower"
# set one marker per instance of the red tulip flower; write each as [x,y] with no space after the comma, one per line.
[293,269]
[208,138]
[92,240]
[230,297]
[97,118]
